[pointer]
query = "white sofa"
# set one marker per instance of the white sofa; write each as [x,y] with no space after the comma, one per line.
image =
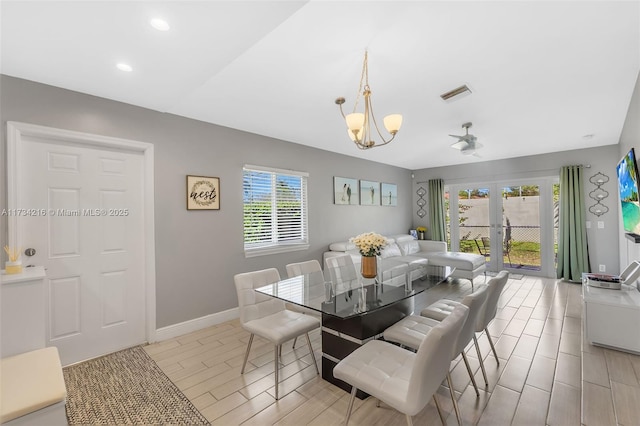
[403,250]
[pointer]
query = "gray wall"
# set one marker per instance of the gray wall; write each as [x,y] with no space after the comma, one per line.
[198,252]
[602,242]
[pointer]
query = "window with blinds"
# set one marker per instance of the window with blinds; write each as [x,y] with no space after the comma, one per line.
[275,210]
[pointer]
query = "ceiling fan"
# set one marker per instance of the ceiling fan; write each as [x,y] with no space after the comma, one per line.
[467,144]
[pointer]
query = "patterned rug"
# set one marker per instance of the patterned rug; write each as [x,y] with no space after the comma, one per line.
[125,387]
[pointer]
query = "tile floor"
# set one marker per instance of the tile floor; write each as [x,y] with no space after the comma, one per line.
[547,374]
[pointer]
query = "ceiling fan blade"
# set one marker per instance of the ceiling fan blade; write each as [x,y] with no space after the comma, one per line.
[461,145]
[456,136]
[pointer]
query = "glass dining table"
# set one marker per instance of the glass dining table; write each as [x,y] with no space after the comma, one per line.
[355,310]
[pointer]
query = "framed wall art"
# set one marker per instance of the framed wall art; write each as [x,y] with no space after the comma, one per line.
[369,193]
[389,194]
[203,193]
[345,190]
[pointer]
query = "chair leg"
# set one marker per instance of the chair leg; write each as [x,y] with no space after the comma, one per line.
[453,398]
[313,356]
[409,421]
[246,355]
[276,351]
[473,379]
[493,348]
[350,407]
[484,372]
[442,419]
[294,342]
[378,402]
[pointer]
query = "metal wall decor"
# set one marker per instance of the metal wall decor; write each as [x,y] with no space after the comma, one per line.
[421,202]
[598,194]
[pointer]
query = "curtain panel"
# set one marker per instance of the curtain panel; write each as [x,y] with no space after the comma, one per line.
[437,218]
[573,253]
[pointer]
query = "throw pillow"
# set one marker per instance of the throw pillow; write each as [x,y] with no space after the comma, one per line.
[410,247]
[390,250]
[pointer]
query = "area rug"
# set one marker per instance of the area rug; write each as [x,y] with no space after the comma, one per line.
[125,387]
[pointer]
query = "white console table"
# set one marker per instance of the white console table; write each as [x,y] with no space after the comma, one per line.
[612,317]
[23,311]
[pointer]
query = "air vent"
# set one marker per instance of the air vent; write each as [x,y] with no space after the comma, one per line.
[456,93]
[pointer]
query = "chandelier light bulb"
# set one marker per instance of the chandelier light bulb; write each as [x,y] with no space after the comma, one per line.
[392,123]
[355,121]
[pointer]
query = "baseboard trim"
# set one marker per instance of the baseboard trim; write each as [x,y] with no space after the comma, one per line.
[195,324]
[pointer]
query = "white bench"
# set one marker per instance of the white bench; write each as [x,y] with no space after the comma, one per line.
[32,389]
[467,265]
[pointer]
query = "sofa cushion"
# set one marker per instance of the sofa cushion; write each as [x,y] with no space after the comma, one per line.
[390,250]
[409,247]
[342,246]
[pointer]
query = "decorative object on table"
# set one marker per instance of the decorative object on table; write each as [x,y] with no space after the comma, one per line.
[421,202]
[345,190]
[203,193]
[14,265]
[389,194]
[369,244]
[369,193]
[359,124]
[598,194]
[421,230]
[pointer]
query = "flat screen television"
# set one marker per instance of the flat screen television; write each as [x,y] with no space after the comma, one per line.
[627,171]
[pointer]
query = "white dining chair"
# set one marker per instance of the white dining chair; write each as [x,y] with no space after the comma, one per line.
[496,285]
[301,268]
[267,317]
[403,379]
[411,330]
[341,269]
[295,270]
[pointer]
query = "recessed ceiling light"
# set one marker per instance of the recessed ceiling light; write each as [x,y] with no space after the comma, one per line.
[124,67]
[159,24]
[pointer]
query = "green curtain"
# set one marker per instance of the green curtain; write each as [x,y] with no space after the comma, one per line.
[573,253]
[437,219]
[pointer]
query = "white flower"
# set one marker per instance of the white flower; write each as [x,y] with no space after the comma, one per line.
[369,243]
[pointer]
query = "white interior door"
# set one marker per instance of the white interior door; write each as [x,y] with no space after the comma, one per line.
[86,223]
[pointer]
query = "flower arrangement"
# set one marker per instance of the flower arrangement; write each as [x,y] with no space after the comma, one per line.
[421,229]
[369,243]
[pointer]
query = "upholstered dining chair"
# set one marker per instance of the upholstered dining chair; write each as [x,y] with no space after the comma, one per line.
[295,270]
[341,271]
[411,330]
[403,379]
[268,318]
[301,268]
[495,287]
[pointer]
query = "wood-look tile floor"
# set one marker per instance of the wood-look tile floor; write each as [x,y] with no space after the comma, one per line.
[546,374]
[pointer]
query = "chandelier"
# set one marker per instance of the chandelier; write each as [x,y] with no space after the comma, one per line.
[359,124]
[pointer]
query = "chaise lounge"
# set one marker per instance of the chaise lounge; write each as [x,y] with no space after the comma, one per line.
[405,250]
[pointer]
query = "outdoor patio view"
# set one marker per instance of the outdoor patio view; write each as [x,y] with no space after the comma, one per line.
[520,224]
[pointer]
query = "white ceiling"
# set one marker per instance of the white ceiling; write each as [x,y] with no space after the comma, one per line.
[543,73]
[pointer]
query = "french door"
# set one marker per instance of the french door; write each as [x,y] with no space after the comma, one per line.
[510,223]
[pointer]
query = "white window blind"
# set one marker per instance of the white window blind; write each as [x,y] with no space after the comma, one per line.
[275,210]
